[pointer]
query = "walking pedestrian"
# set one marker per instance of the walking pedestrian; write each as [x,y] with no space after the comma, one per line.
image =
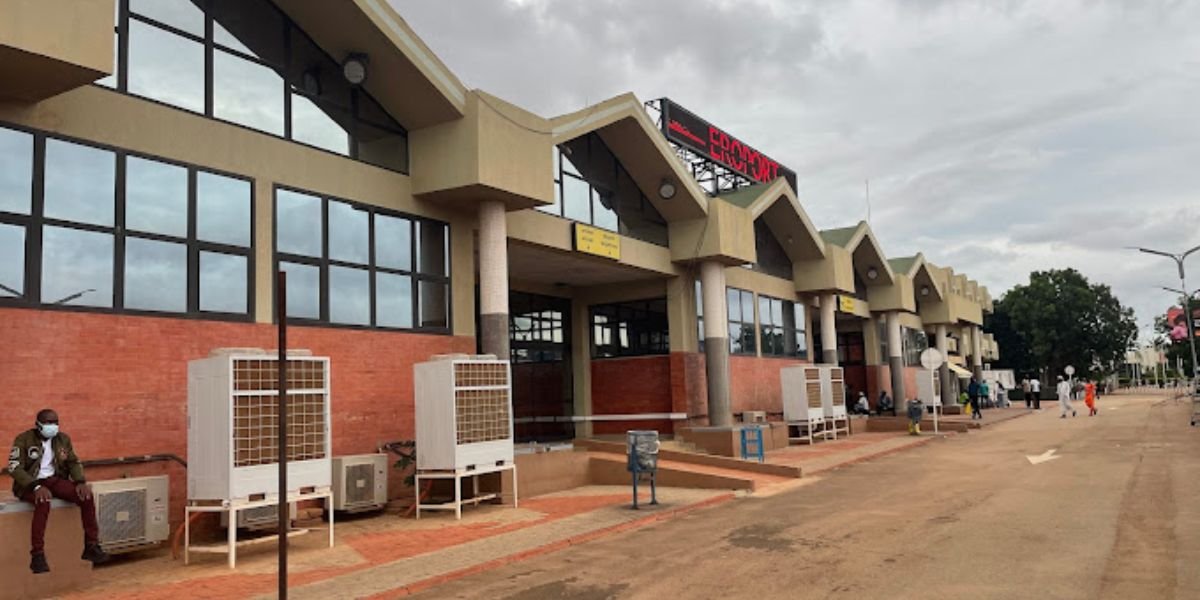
[973,391]
[1064,398]
[1089,398]
[1035,388]
[985,391]
[1025,389]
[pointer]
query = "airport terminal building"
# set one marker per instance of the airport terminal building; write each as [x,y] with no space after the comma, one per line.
[641,267]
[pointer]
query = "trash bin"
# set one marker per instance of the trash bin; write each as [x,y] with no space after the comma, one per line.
[642,457]
[642,448]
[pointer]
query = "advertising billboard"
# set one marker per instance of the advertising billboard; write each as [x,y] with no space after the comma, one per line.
[698,135]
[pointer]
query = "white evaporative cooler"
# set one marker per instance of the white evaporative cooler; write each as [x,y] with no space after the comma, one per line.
[233,426]
[814,401]
[464,425]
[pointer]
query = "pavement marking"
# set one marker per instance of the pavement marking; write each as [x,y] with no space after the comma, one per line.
[1046,456]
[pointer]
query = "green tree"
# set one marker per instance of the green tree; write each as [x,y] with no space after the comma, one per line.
[1061,319]
[1178,351]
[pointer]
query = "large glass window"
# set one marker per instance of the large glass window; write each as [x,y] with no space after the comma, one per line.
[781,323]
[591,186]
[741,321]
[351,264]
[109,229]
[634,328]
[244,62]
[914,342]
[772,258]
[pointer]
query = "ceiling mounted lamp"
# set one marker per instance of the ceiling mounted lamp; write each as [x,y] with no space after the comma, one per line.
[924,290]
[666,189]
[354,68]
[872,273]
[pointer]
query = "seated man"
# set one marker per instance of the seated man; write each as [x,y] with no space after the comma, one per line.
[886,405]
[43,466]
[862,407]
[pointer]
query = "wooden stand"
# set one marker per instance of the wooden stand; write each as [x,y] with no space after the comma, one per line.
[232,508]
[457,476]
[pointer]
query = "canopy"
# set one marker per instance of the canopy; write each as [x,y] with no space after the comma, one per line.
[961,372]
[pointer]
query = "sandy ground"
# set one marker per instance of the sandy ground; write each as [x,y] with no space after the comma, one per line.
[969,516]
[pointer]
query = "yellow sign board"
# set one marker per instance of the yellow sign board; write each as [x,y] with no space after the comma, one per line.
[600,242]
[846,304]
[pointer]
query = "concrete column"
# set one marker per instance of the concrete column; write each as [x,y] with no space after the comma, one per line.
[493,278]
[829,329]
[896,358]
[977,352]
[716,342]
[943,346]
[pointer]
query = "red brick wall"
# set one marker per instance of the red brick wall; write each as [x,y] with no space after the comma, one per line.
[119,382]
[628,386]
[689,386]
[754,383]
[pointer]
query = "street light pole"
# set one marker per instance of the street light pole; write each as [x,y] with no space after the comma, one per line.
[1187,301]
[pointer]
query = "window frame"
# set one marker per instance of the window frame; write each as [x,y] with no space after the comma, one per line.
[121,81]
[798,328]
[642,309]
[323,263]
[559,161]
[35,223]
[753,322]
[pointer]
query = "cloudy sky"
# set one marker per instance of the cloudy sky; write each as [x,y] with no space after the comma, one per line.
[998,137]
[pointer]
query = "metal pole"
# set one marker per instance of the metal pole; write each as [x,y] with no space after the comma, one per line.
[284,516]
[1187,314]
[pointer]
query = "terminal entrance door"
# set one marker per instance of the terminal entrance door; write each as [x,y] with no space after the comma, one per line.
[540,345]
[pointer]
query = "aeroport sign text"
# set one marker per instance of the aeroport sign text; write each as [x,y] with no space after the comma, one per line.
[685,128]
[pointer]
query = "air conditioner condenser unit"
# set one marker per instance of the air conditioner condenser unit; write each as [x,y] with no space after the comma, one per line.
[360,482]
[132,513]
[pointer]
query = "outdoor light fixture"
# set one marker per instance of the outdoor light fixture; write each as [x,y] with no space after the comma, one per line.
[354,68]
[666,189]
[872,273]
[924,290]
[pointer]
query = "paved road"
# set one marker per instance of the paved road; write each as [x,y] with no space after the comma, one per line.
[1117,516]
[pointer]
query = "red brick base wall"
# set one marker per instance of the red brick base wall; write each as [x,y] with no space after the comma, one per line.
[631,386]
[119,383]
[754,384]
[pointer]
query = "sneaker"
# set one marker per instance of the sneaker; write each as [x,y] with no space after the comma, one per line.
[94,554]
[38,564]
[1062,416]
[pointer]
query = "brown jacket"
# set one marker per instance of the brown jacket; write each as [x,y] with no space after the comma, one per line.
[25,459]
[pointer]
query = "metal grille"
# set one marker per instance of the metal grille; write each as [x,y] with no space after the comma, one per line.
[481,415]
[256,428]
[812,387]
[360,484]
[122,516]
[480,374]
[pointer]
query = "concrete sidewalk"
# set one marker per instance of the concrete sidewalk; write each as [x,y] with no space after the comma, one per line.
[386,556]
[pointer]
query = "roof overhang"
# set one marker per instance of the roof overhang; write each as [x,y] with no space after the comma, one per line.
[780,209]
[628,131]
[47,48]
[411,83]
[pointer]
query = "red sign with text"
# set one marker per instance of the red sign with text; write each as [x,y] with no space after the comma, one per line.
[685,128]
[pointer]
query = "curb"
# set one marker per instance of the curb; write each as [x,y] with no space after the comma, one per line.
[920,442]
[426,584]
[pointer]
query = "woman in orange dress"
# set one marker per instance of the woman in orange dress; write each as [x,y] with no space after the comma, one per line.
[1089,398]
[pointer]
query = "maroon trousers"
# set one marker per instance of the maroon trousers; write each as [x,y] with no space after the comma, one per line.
[63,489]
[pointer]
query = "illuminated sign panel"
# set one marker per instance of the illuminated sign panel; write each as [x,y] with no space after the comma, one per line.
[593,240]
[686,129]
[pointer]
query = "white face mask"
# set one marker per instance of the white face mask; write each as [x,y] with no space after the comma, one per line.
[48,430]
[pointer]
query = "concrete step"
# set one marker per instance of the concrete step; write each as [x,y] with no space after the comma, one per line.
[609,469]
[734,465]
